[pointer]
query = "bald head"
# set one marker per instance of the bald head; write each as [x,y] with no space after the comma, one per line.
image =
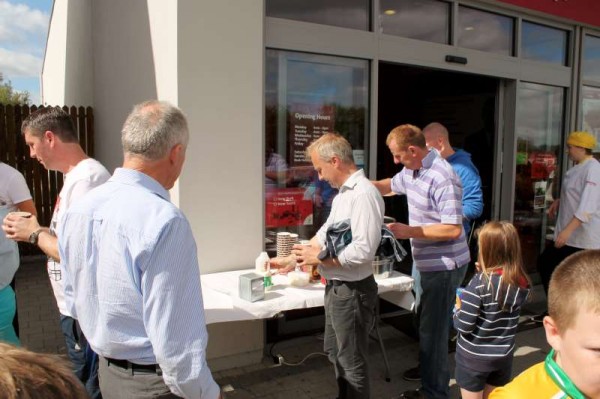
[436,136]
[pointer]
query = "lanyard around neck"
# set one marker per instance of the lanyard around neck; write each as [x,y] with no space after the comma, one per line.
[561,379]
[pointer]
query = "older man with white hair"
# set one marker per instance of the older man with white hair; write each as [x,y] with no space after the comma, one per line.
[132,268]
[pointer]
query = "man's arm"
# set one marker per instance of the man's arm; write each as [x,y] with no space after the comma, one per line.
[366,219]
[308,255]
[563,236]
[384,186]
[20,229]
[472,198]
[448,197]
[434,232]
[173,312]
[27,206]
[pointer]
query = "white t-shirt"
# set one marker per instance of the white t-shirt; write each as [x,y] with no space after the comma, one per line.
[13,188]
[580,197]
[86,175]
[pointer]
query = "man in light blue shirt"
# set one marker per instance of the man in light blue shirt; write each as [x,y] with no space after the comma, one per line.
[131,269]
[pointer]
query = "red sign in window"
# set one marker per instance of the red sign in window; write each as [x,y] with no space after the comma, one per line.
[288,207]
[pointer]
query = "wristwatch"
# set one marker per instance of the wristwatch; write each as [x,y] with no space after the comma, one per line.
[33,237]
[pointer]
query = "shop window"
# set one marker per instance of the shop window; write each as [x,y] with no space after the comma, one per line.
[590,109]
[542,43]
[353,14]
[591,59]
[307,95]
[540,122]
[427,20]
[485,31]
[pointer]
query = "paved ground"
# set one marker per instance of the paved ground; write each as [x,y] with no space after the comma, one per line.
[38,315]
[313,378]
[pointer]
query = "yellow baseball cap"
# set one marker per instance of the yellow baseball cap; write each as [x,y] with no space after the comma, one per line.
[582,139]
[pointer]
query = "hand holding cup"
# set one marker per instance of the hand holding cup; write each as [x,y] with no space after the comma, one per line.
[18,226]
[306,254]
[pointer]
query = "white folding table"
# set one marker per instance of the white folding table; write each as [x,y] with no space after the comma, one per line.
[223,304]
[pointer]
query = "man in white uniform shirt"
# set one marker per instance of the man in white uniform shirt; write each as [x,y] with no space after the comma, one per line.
[578,221]
[351,290]
[52,140]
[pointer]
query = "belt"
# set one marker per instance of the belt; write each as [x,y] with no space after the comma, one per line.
[337,283]
[127,365]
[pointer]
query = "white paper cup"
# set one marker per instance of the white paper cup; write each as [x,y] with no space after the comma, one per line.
[21,214]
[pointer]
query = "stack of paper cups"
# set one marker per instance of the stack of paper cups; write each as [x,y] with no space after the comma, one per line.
[285,242]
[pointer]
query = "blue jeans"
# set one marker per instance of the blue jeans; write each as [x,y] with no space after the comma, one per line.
[416,275]
[437,300]
[349,318]
[83,359]
[418,290]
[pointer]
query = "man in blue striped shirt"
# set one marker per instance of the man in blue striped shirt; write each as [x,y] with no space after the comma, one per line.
[131,268]
[438,243]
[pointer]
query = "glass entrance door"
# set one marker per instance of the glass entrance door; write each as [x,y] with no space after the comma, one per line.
[539,126]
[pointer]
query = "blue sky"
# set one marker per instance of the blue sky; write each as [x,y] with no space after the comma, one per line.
[23,31]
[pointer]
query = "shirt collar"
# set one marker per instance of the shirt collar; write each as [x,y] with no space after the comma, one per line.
[352,180]
[429,158]
[134,177]
[426,162]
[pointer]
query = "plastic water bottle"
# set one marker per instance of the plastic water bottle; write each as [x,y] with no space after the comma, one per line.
[261,264]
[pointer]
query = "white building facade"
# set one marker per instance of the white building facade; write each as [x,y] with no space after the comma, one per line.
[510,79]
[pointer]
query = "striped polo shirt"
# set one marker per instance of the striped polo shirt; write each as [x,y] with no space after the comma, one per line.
[434,195]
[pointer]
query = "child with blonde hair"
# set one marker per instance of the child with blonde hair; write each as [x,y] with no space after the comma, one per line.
[572,368]
[487,312]
[28,375]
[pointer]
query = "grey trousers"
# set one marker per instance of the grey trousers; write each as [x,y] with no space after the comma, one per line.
[349,317]
[118,383]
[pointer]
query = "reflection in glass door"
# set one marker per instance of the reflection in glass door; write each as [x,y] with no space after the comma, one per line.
[539,123]
[306,96]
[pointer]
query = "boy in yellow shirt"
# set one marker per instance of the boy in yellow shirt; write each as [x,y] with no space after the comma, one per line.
[572,368]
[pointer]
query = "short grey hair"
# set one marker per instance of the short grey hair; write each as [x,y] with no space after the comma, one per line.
[153,128]
[329,145]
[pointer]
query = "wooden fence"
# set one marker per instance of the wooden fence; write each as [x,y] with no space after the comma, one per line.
[43,184]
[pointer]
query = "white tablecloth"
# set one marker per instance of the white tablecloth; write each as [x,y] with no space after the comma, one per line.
[222,303]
